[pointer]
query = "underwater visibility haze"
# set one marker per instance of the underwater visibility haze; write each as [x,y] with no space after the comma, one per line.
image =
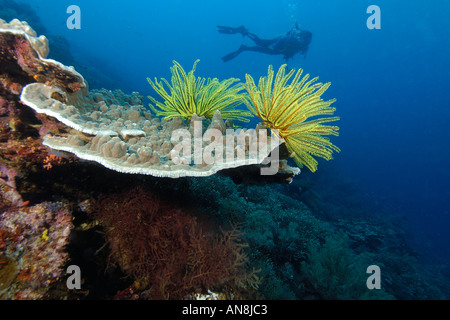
[88,172]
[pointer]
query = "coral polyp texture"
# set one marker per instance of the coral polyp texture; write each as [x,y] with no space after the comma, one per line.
[39,44]
[23,59]
[32,244]
[291,110]
[190,95]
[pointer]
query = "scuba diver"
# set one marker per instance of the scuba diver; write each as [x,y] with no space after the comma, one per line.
[293,42]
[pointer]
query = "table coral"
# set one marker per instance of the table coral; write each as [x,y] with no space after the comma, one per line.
[121,136]
[127,138]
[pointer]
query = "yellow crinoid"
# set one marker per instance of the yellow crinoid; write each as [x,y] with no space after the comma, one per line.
[292,110]
[188,95]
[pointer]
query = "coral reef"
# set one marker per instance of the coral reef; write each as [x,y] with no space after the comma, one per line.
[21,62]
[8,270]
[278,229]
[32,248]
[286,238]
[169,252]
[128,139]
[16,27]
[336,273]
[32,236]
[173,238]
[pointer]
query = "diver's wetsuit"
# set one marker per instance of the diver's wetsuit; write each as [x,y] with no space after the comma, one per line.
[295,41]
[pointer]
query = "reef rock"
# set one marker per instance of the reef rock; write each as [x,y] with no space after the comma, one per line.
[122,136]
[23,59]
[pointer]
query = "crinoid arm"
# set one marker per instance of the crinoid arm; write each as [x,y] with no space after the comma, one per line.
[295,111]
[187,94]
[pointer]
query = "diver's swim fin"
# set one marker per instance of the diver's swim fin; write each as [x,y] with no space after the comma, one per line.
[234,54]
[229,30]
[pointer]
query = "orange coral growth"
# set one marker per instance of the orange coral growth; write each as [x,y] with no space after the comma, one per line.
[52,160]
[170,252]
[22,154]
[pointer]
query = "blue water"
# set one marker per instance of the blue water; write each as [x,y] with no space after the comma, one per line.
[391,84]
